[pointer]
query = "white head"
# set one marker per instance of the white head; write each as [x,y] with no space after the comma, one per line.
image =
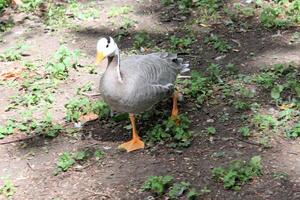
[106,47]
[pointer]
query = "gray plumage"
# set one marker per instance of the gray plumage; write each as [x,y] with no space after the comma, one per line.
[146,80]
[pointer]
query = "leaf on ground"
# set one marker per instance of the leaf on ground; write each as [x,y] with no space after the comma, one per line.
[11,75]
[88,117]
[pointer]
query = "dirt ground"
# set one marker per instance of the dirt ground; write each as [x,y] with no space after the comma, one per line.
[119,175]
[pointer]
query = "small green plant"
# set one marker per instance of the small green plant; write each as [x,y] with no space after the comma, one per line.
[85,88]
[178,189]
[294,132]
[181,43]
[55,16]
[157,184]
[141,39]
[82,106]
[197,87]
[117,11]
[217,43]
[82,11]
[8,129]
[3,4]
[270,17]
[276,92]
[266,79]
[241,105]
[13,54]
[65,161]
[211,130]
[238,172]
[214,73]
[244,131]
[164,185]
[7,189]
[30,5]
[265,122]
[63,60]
[98,154]
[169,131]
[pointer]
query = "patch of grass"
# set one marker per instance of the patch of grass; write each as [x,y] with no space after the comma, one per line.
[7,189]
[142,39]
[264,122]
[178,189]
[161,185]
[117,11]
[181,43]
[214,73]
[211,6]
[198,87]
[37,91]
[238,172]
[7,129]
[62,61]
[157,184]
[65,161]
[245,11]
[82,11]
[217,43]
[85,88]
[241,105]
[55,16]
[30,5]
[81,106]
[280,14]
[6,25]
[3,4]
[211,130]
[244,131]
[14,53]
[294,132]
[171,133]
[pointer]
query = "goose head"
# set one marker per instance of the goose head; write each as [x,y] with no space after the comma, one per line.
[106,47]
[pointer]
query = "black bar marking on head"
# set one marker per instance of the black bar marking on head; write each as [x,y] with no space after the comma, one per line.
[108,39]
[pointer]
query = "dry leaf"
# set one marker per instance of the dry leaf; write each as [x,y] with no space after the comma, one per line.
[88,117]
[11,75]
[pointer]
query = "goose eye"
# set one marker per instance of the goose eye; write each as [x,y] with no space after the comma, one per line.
[107,46]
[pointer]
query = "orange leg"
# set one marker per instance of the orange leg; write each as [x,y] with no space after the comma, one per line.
[135,143]
[175,106]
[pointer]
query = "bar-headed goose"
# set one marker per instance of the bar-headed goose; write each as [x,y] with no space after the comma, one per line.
[135,84]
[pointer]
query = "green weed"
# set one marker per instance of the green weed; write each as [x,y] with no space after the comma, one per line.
[211,130]
[7,189]
[14,53]
[85,88]
[238,172]
[294,132]
[170,132]
[117,11]
[142,39]
[82,106]
[198,87]
[65,161]
[3,4]
[164,185]
[244,131]
[62,61]
[214,73]
[82,11]
[7,129]
[264,122]
[30,5]
[178,189]
[217,43]
[157,184]
[181,43]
